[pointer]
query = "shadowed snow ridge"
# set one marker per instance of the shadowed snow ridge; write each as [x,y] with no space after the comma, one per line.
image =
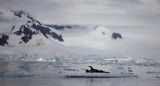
[26,28]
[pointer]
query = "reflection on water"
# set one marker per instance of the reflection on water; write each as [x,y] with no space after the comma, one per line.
[51,74]
[62,81]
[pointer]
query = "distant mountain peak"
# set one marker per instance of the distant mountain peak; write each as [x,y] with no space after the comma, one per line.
[20,13]
[26,28]
[103,30]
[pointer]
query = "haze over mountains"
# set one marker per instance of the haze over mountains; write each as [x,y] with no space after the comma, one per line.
[30,39]
[27,27]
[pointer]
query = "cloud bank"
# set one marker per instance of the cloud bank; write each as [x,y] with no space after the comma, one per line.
[93,12]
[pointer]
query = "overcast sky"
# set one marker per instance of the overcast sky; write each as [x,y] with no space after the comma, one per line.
[138,20]
[93,12]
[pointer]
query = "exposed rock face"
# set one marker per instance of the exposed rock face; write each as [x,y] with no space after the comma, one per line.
[28,27]
[3,39]
[116,35]
[46,31]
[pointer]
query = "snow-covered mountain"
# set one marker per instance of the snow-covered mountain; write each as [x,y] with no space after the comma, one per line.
[29,39]
[89,28]
[27,30]
[89,36]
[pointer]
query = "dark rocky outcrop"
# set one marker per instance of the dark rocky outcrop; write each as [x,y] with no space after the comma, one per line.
[19,13]
[28,29]
[116,35]
[3,39]
[26,32]
[46,31]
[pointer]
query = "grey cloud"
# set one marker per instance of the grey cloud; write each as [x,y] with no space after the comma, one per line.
[158,1]
[125,3]
[4,19]
[144,16]
[1,13]
[105,12]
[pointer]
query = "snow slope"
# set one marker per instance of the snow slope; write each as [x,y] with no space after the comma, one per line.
[27,39]
[97,37]
[27,30]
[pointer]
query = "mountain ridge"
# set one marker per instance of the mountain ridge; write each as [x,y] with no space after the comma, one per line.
[28,39]
[26,28]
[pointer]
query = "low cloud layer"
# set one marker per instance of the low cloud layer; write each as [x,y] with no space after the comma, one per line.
[94,12]
[135,43]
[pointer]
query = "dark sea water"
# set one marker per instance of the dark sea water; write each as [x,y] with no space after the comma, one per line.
[53,74]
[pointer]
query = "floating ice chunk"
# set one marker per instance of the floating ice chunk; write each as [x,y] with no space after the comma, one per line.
[40,59]
[100,75]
